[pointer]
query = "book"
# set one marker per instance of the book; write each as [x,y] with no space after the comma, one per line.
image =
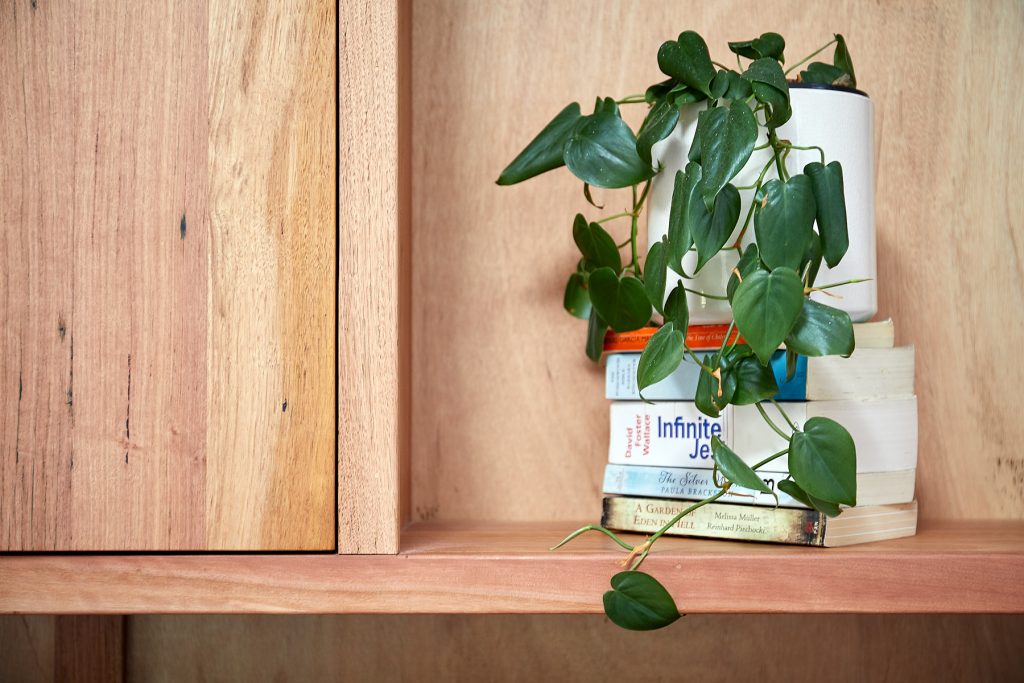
[861,524]
[677,434]
[874,335]
[867,373]
[694,483]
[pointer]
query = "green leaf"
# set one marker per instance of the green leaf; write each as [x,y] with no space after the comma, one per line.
[766,307]
[784,222]
[750,261]
[793,489]
[768,45]
[596,245]
[713,395]
[811,262]
[727,136]
[545,151]
[576,299]
[826,74]
[639,603]
[754,382]
[688,61]
[730,85]
[686,187]
[676,307]
[823,461]
[737,471]
[601,151]
[660,122]
[661,356]
[841,59]
[659,91]
[769,72]
[710,231]
[768,82]
[654,275]
[682,95]
[596,330]
[589,197]
[821,330]
[622,302]
[830,203]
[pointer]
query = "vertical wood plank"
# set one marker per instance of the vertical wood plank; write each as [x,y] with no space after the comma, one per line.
[89,649]
[373,254]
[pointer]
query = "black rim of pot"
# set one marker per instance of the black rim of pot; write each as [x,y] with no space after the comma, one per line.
[826,86]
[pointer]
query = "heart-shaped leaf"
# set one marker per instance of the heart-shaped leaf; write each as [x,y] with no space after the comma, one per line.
[577,299]
[825,74]
[676,307]
[821,330]
[621,302]
[793,489]
[596,330]
[713,394]
[660,122]
[750,260]
[730,85]
[754,382]
[659,91]
[727,136]
[710,231]
[737,471]
[830,203]
[661,356]
[639,603]
[545,151]
[823,461]
[768,82]
[601,151]
[784,222]
[811,262]
[766,307]
[841,59]
[686,188]
[769,72]
[654,275]
[596,245]
[768,45]
[687,60]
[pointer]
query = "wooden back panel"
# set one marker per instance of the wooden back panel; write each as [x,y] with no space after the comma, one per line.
[167,296]
[508,419]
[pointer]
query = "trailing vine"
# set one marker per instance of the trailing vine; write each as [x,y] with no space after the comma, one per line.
[798,221]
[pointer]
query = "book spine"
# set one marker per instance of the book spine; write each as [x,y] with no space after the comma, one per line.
[697,337]
[688,483]
[620,379]
[735,522]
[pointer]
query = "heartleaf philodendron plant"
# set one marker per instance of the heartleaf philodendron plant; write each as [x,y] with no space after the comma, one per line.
[768,290]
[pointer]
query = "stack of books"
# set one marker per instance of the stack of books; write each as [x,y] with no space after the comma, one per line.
[660,458]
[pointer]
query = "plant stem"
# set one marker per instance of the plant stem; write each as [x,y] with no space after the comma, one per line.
[807,149]
[592,527]
[771,424]
[614,216]
[767,460]
[632,234]
[810,56]
[632,99]
[728,333]
[773,139]
[661,532]
[840,284]
[784,416]
[706,295]
[696,360]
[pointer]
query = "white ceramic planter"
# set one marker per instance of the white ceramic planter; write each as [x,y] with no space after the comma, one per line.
[838,121]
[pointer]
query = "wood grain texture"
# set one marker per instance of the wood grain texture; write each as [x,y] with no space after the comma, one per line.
[166,204]
[949,567]
[27,652]
[575,648]
[508,419]
[373,253]
[89,649]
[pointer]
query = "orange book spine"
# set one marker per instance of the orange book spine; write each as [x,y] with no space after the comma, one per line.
[698,337]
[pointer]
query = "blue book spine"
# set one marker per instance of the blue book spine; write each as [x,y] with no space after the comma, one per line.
[620,379]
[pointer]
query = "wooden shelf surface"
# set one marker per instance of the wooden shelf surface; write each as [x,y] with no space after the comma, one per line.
[505,568]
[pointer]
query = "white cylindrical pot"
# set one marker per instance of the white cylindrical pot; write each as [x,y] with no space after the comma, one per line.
[838,121]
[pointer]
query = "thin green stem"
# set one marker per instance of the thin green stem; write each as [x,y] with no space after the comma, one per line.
[614,216]
[622,244]
[698,361]
[728,333]
[810,56]
[632,235]
[632,99]
[807,149]
[771,457]
[706,295]
[720,65]
[773,139]
[840,284]
[661,532]
[771,424]
[592,527]
[782,412]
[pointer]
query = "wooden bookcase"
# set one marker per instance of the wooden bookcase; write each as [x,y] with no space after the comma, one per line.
[472,430]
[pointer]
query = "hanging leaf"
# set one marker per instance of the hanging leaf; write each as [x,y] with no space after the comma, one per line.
[754,382]
[639,603]
[830,204]
[768,45]
[811,261]
[577,299]
[823,461]
[621,302]
[596,245]
[710,231]
[766,307]
[768,82]
[784,222]
[730,85]
[825,74]
[821,330]
[660,122]
[601,151]
[750,260]
[793,489]
[727,136]
[661,356]
[589,197]
[654,275]
[659,91]
[686,187]
[688,61]
[544,152]
[596,330]
[713,394]
[737,471]
[676,307]
[841,59]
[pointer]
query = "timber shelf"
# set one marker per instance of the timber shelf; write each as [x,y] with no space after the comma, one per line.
[954,566]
